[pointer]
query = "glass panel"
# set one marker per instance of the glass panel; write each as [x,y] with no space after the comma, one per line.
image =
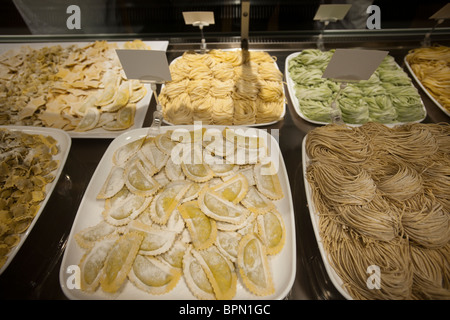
[165,18]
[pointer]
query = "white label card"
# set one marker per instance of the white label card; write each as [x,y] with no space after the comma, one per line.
[353,64]
[204,18]
[443,13]
[332,12]
[145,65]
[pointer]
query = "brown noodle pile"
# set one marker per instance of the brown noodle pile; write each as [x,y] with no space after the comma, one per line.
[382,198]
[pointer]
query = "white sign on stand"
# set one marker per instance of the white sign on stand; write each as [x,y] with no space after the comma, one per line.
[199,19]
[332,12]
[327,13]
[147,66]
[351,65]
[441,15]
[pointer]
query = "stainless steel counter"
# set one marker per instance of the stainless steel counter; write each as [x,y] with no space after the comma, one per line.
[34,272]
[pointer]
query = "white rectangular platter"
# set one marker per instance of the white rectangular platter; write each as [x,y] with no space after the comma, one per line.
[295,102]
[283,265]
[425,89]
[314,214]
[64,143]
[141,106]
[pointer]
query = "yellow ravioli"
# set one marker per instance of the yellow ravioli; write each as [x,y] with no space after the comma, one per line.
[125,152]
[113,184]
[166,201]
[202,229]
[254,266]
[257,202]
[196,278]
[267,181]
[233,189]
[153,275]
[119,261]
[92,263]
[272,231]
[220,272]
[89,120]
[155,241]
[218,208]
[139,180]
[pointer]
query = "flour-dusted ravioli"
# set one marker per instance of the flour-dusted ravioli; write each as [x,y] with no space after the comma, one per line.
[119,261]
[233,189]
[113,184]
[272,231]
[249,222]
[194,190]
[89,120]
[227,242]
[167,200]
[139,181]
[175,223]
[197,172]
[120,211]
[174,256]
[86,238]
[223,169]
[153,275]
[253,266]
[219,270]
[165,143]
[216,144]
[155,241]
[196,278]
[257,202]
[173,171]
[202,229]
[244,138]
[267,181]
[220,209]
[92,263]
[127,151]
[153,154]
[247,171]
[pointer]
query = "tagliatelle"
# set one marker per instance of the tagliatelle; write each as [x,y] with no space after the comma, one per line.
[223,87]
[431,65]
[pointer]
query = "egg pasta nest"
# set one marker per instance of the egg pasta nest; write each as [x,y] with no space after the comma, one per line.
[224,88]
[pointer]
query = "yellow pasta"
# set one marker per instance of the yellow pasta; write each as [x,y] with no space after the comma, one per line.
[431,65]
[249,78]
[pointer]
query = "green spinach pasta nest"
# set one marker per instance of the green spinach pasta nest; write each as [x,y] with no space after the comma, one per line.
[388,96]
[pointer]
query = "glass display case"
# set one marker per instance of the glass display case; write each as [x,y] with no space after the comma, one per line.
[283,29]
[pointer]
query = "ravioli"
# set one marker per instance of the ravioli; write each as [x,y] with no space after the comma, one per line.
[178,212]
[254,266]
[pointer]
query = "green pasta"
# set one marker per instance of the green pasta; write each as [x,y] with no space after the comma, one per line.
[388,96]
